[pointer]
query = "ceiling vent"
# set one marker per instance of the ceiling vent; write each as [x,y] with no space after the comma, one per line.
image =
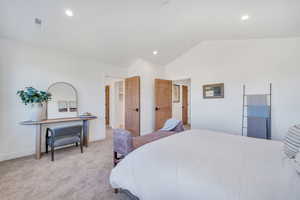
[38,21]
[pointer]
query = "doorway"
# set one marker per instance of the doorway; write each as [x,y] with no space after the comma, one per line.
[107,105]
[172,100]
[181,109]
[185,104]
[114,102]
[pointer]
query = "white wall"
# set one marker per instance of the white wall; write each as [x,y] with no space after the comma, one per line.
[254,62]
[119,104]
[148,73]
[22,66]
[116,104]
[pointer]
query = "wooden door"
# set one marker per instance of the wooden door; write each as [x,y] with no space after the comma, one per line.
[107,96]
[163,102]
[184,104]
[132,105]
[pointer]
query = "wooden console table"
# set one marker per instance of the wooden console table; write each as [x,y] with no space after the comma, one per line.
[39,126]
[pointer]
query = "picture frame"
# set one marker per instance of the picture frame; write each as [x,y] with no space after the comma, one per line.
[72,106]
[213,91]
[176,93]
[62,106]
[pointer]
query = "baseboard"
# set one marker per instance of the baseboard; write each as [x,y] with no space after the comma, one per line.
[15,155]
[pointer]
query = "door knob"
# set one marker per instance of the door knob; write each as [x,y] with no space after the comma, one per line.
[156,108]
[137,110]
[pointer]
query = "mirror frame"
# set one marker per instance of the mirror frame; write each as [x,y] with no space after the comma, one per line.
[76,96]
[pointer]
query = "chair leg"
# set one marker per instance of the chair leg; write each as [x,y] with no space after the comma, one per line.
[52,153]
[76,144]
[46,143]
[115,158]
[81,147]
[46,147]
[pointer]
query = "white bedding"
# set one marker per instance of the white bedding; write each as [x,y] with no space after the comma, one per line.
[207,165]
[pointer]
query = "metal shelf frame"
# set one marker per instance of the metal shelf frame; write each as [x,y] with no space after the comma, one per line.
[245,105]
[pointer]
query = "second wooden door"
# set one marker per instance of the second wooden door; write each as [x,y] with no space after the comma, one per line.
[132,105]
[163,102]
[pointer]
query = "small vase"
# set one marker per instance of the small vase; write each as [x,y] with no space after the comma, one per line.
[36,112]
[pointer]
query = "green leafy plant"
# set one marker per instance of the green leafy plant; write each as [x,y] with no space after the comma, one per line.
[31,96]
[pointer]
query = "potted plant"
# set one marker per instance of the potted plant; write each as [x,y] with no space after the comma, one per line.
[35,99]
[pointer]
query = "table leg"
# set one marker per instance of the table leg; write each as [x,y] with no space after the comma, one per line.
[38,141]
[86,132]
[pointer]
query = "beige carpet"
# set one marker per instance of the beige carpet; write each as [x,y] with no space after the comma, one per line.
[72,176]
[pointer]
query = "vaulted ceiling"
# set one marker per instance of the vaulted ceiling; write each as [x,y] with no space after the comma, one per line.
[120,31]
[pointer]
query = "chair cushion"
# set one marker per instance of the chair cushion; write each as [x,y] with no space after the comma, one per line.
[170,124]
[67,131]
[60,141]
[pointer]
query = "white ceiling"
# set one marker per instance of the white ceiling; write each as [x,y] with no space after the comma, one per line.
[120,31]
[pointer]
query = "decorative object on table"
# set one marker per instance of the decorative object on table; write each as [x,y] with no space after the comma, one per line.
[62,106]
[62,136]
[64,102]
[213,91]
[85,115]
[35,99]
[72,106]
[176,93]
[257,113]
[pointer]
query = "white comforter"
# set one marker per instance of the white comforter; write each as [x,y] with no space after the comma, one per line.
[207,165]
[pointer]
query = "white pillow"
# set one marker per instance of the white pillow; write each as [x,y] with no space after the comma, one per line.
[297,162]
[292,141]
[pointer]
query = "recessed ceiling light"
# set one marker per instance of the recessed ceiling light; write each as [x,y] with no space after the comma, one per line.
[69,13]
[155,52]
[245,17]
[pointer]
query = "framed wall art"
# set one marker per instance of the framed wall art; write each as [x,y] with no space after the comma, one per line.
[176,93]
[213,91]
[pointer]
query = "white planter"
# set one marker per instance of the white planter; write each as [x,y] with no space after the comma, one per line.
[36,112]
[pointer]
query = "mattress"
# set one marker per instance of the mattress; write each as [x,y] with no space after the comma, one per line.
[203,164]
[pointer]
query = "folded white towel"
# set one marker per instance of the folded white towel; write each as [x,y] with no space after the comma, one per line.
[170,124]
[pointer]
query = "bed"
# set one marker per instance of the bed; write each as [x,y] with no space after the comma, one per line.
[208,165]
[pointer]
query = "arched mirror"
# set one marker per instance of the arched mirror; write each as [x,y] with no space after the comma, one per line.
[64,101]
